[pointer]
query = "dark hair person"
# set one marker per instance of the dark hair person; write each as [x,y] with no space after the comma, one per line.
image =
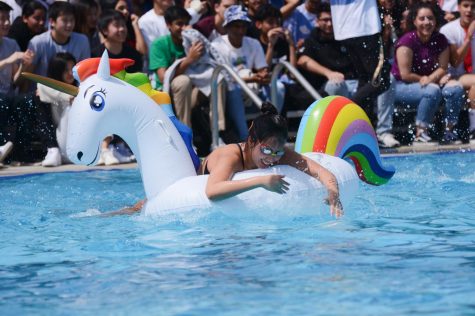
[30,23]
[265,147]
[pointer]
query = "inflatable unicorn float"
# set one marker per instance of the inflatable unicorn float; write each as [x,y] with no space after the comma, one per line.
[333,131]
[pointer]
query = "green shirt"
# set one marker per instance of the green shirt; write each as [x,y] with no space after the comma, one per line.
[163,53]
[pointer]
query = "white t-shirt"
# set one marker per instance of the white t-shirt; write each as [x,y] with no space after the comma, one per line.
[153,25]
[449,5]
[455,35]
[355,18]
[7,47]
[249,56]
[45,48]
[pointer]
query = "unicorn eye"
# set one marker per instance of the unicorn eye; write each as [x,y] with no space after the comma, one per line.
[97,101]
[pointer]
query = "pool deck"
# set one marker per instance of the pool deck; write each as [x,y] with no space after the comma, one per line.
[30,169]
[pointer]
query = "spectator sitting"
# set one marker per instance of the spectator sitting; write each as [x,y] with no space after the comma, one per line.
[153,24]
[247,58]
[134,35]
[460,33]
[114,32]
[309,10]
[277,44]
[357,24]
[11,64]
[60,68]
[165,51]
[421,63]
[324,60]
[60,38]
[252,6]
[212,26]
[31,23]
[86,15]
[300,22]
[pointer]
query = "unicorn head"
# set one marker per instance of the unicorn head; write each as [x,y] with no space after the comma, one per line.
[105,105]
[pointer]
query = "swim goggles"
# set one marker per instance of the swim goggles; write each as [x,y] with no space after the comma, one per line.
[267,150]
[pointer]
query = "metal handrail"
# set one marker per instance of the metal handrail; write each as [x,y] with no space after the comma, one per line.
[298,76]
[214,99]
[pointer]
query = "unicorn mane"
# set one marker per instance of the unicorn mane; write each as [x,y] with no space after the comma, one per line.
[88,67]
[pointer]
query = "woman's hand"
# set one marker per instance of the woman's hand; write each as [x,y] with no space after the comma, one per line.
[275,183]
[333,200]
[424,81]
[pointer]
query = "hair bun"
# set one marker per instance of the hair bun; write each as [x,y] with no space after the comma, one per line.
[268,108]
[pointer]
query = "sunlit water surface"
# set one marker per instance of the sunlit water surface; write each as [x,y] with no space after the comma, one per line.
[404,248]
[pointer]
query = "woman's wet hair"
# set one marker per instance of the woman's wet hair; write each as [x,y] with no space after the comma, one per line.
[268,124]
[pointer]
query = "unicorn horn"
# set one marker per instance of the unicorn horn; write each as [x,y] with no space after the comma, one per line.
[54,84]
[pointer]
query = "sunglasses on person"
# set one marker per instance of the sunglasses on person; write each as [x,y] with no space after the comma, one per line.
[267,150]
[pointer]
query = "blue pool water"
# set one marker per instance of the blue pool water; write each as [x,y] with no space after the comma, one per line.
[404,248]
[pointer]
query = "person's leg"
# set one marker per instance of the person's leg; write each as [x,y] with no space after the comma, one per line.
[107,156]
[386,109]
[5,113]
[181,90]
[47,132]
[336,88]
[6,143]
[426,99]
[236,112]
[364,52]
[385,113]
[468,82]
[453,94]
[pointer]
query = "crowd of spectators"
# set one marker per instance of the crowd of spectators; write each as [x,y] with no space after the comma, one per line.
[382,54]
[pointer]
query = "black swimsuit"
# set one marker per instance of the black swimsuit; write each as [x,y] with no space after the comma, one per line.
[206,171]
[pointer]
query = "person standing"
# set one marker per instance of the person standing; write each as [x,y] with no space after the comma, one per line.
[357,24]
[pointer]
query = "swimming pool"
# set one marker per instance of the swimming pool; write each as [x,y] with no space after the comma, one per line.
[407,247]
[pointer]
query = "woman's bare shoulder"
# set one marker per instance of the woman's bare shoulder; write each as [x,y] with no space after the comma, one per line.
[228,154]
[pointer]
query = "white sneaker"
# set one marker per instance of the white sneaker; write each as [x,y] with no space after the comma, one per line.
[53,158]
[387,140]
[5,150]
[108,158]
[423,138]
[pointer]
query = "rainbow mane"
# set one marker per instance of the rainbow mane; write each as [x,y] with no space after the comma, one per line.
[336,126]
[88,67]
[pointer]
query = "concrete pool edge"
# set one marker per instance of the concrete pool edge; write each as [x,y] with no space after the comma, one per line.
[35,169]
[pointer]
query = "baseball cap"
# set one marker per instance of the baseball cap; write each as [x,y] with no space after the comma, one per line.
[235,13]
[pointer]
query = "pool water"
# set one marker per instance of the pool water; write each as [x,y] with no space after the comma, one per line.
[404,248]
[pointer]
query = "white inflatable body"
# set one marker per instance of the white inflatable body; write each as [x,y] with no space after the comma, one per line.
[106,105]
[305,195]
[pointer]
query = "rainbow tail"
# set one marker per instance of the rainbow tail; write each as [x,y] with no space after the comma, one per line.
[336,126]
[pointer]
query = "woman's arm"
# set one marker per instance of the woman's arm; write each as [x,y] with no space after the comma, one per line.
[320,173]
[224,166]
[404,57]
[457,54]
[288,8]
[313,66]
[437,74]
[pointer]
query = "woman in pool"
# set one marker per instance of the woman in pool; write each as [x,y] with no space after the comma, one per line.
[263,148]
